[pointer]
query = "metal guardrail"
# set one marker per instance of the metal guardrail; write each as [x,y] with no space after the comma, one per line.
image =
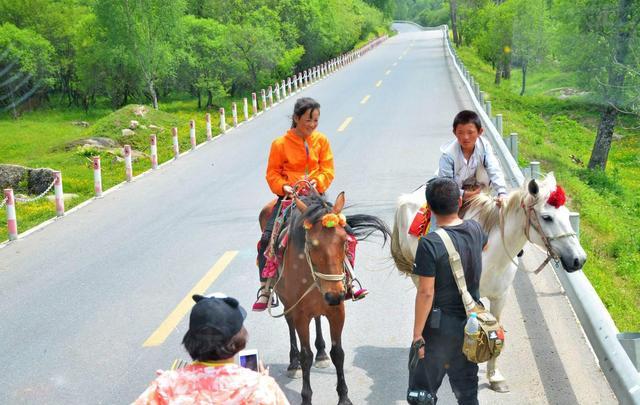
[594,318]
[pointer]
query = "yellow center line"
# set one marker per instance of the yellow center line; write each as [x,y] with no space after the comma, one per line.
[379,83]
[345,124]
[164,330]
[387,72]
[365,99]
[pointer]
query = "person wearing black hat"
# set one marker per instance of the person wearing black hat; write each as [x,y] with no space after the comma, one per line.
[216,333]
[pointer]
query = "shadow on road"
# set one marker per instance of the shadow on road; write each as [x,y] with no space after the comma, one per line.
[386,367]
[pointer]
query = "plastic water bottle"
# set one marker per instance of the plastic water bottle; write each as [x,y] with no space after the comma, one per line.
[472,325]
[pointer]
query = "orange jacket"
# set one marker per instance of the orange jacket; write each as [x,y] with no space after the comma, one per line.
[288,161]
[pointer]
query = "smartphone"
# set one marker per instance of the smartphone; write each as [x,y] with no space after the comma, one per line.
[248,359]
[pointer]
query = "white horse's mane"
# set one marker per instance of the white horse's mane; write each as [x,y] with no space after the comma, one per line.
[483,208]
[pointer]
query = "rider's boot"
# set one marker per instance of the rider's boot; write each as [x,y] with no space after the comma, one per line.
[355,291]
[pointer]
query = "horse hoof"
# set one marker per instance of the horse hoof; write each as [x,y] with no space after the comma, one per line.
[294,373]
[322,363]
[499,386]
[345,401]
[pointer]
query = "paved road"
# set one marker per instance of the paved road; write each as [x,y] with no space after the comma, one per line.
[81,297]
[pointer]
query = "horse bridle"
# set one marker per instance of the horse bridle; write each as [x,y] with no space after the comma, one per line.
[314,273]
[533,221]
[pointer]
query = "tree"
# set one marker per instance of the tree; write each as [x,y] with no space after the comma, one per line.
[529,35]
[598,39]
[494,41]
[147,31]
[28,70]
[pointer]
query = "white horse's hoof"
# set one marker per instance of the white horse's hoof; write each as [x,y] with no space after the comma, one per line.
[294,373]
[499,386]
[322,363]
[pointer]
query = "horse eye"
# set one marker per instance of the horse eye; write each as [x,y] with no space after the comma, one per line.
[547,218]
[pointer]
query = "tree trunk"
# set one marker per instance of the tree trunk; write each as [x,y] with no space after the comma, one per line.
[524,77]
[454,22]
[506,69]
[602,145]
[154,95]
[613,93]
[498,74]
[209,99]
[199,100]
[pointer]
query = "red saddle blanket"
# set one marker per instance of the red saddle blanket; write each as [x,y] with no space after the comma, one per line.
[420,225]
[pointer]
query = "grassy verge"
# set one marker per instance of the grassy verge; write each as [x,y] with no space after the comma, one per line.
[46,138]
[560,134]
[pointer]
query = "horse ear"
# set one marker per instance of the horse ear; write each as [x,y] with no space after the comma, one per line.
[533,187]
[302,207]
[339,204]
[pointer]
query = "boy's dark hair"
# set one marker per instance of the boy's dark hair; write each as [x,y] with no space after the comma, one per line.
[467,117]
[442,195]
[302,105]
[208,344]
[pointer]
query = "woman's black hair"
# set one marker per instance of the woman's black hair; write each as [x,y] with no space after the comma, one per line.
[302,106]
[208,344]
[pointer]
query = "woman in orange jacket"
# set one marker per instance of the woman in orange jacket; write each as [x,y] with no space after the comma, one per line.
[300,154]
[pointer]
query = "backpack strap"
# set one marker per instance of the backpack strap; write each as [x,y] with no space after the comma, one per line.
[458,273]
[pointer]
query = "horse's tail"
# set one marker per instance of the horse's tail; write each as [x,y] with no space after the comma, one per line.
[364,225]
[404,266]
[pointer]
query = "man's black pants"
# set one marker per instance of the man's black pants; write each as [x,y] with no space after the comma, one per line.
[443,355]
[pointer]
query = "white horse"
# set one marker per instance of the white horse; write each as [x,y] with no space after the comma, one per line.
[527,214]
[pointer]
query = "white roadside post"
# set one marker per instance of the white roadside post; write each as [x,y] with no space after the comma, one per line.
[535,170]
[270,96]
[289,85]
[97,176]
[59,195]
[12,222]
[284,89]
[207,119]
[153,143]
[223,121]
[277,87]
[176,145]
[192,134]
[234,114]
[128,169]
[254,104]
[245,108]
[264,100]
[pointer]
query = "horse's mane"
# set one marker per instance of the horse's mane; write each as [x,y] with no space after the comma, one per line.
[485,210]
[362,225]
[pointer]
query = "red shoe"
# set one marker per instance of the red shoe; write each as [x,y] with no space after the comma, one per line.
[261,306]
[357,295]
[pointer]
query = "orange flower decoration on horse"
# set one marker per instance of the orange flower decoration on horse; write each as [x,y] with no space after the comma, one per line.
[331,220]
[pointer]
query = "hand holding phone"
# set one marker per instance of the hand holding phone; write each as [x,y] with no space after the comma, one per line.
[249,359]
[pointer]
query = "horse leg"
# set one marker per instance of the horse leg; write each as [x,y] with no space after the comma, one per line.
[294,370]
[336,323]
[322,359]
[496,380]
[306,358]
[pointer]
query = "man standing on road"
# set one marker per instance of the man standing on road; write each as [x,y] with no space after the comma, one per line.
[439,312]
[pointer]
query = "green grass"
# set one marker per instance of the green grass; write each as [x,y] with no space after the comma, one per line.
[551,130]
[43,139]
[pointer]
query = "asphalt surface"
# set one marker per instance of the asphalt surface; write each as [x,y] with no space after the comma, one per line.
[80,297]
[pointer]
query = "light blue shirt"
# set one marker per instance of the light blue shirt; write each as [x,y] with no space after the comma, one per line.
[453,165]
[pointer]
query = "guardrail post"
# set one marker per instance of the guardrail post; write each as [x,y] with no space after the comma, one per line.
[277,89]
[254,104]
[574,219]
[234,114]
[270,95]
[481,96]
[207,119]
[630,342]
[192,134]
[176,145]
[264,100]
[514,145]
[153,143]
[289,85]
[245,109]
[97,176]
[223,121]
[499,124]
[59,195]
[284,89]
[12,221]
[487,107]
[535,170]
[128,169]
[477,89]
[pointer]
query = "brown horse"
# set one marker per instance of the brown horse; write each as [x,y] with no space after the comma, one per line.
[312,281]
